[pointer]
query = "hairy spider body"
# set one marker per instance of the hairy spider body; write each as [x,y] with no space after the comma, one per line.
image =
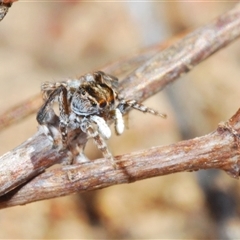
[89,103]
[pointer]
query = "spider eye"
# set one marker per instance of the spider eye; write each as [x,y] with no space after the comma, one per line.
[94,104]
[103,104]
[83,92]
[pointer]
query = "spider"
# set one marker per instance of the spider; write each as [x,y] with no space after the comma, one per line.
[88,104]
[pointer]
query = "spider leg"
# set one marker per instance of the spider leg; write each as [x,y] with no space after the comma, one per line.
[76,144]
[125,105]
[46,107]
[64,114]
[91,132]
[46,114]
[48,87]
[103,77]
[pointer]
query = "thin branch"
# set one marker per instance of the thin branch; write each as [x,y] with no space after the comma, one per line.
[166,66]
[219,149]
[20,111]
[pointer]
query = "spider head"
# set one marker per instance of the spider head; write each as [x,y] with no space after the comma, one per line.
[92,98]
[83,104]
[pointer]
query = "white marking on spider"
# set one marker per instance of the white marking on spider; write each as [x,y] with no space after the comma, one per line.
[103,128]
[119,122]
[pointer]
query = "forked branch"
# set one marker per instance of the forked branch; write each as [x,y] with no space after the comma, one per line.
[219,149]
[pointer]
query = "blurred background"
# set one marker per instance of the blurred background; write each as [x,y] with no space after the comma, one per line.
[51,41]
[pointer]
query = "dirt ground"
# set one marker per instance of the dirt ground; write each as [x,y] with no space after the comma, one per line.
[51,41]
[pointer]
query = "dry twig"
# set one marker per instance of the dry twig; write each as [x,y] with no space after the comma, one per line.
[219,149]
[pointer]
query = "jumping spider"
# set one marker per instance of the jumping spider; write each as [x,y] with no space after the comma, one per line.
[88,104]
